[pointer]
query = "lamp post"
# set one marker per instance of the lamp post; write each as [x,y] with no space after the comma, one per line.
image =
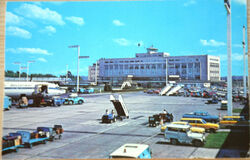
[78,57]
[28,69]
[244,63]
[229,58]
[18,63]
[96,72]
[66,73]
[166,71]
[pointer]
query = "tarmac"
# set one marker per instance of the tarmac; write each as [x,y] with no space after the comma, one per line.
[86,137]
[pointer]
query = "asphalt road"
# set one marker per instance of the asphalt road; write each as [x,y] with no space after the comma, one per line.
[86,137]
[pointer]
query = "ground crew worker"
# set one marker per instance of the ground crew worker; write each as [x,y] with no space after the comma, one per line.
[107,112]
[164,111]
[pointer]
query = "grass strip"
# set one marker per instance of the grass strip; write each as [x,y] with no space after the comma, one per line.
[216,140]
[237,110]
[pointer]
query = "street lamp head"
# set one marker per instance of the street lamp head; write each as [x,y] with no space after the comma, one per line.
[83,57]
[74,46]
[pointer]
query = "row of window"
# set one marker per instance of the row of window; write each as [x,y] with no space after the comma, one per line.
[126,66]
[214,72]
[214,65]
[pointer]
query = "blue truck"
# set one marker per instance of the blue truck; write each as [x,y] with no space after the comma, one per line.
[7,103]
[86,90]
[202,114]
[74,99]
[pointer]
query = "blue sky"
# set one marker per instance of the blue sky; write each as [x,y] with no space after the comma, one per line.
[42,31]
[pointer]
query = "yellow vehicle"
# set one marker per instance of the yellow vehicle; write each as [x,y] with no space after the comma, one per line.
[232,119]
[193,129]
[198,122]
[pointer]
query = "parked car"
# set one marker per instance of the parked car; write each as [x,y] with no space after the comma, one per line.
[193,129]
[195,94]
[198,122]
[202,114]
[178,133]
[212,101]
[230,120]
[131,150]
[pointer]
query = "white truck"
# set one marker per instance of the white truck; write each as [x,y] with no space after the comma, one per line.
[176,133]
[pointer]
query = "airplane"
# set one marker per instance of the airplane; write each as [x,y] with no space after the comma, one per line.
[30,89]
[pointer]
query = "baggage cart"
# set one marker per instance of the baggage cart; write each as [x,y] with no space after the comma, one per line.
[27,141]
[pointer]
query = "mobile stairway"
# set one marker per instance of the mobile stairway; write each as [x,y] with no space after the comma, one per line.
[174,90]
[120,107]
[165,90]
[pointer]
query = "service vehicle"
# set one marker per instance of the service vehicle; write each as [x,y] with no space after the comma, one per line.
[11,143]
[7,103]
[193,129]
[57,101]
[230,120]
[108,118]
[178,133]
[154,120]
[28,139]
[223,105]
[131,150]
[86,90]
[74,99]
[198,122]
[202,114]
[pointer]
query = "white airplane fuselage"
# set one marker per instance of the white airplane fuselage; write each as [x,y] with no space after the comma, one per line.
[15,89]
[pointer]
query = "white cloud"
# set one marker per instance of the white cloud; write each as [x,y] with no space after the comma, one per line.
[48,29]
[36,12]
[76,20]
[235,57]
[211,51]
[243,2]
[189,2]
[29,50]
[18,32]
[122,41]
[118,23]
[42,60]
[212,43]
[12,18]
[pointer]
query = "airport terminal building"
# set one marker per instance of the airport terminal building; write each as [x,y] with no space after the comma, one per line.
[150,67]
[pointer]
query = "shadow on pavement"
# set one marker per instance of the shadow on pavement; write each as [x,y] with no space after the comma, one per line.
[237,143]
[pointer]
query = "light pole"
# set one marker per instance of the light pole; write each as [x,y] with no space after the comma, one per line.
[229,58]
[78,57]
[66,73]
[18,63]
[166,71]
[244,63]
[28,69]
[96,72]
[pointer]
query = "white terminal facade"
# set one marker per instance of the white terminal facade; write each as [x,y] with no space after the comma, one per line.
[150,67]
